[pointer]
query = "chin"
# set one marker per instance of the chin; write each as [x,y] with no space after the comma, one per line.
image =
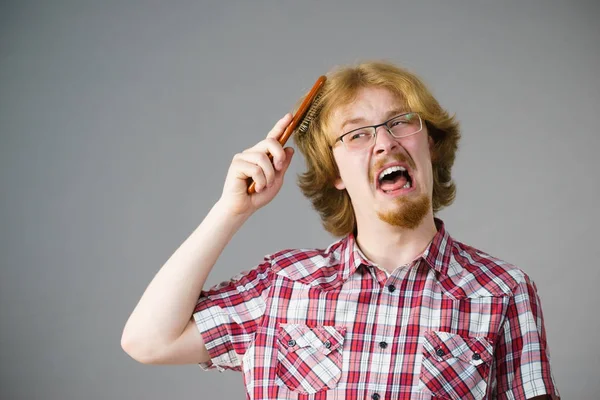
[409,214]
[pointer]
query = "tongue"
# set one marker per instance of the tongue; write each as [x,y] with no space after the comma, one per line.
[397,183]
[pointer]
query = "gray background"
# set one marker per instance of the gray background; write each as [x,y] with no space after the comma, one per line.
[118,121]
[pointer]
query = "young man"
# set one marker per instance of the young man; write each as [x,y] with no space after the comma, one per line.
[395,309]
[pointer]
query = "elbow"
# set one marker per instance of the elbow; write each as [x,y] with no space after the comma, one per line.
[136,350]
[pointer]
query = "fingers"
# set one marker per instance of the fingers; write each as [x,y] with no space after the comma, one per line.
[272,147]
[280,126]
[256,166]
[255,162]
[271,143]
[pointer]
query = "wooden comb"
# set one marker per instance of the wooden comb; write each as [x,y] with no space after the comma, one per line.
[300,120]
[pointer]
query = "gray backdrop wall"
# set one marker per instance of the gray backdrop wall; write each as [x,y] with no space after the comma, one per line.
[118,121]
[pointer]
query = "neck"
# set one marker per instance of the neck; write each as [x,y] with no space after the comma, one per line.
[391,246]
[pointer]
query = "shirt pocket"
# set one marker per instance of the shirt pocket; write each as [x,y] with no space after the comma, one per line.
[455,367]
[309,359]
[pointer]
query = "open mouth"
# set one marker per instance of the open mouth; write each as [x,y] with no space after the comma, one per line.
[394,178]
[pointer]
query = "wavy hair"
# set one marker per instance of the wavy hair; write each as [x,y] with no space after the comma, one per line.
[341,88]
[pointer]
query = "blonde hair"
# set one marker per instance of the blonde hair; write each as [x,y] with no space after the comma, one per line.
[341,88]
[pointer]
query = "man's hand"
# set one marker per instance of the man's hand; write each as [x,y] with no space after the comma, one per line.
[254,163]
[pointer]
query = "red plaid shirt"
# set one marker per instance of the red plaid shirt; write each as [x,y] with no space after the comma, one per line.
[455,323]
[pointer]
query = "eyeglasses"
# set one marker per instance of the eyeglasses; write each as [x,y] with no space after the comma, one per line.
[400,126]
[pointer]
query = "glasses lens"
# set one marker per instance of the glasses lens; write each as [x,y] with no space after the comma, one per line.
[405,125]
[359,138]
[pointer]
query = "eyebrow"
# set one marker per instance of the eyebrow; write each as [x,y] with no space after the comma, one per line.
[389,114]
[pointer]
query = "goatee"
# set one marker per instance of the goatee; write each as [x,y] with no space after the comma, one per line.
[409,213]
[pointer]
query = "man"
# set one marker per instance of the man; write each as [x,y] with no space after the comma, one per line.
[395,309]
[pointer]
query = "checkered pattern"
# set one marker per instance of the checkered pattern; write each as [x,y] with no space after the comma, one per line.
[456,323]
[309,358]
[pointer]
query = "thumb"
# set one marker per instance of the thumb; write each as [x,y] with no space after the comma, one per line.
[289,152]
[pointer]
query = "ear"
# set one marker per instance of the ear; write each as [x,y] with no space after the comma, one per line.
[339,184]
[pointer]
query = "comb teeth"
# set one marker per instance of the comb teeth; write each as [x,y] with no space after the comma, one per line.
[312,112]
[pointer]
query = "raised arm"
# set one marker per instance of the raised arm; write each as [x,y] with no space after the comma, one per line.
[160,329]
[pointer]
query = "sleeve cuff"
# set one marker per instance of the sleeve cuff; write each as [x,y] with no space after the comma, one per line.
[211,323]
[531,389]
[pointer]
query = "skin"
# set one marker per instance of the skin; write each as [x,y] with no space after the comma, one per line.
[160,331]
[391,232]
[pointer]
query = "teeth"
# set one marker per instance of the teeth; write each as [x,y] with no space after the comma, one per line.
[390,170]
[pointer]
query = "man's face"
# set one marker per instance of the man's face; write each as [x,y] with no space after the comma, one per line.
[388,199]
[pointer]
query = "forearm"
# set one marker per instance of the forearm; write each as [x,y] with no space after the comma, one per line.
[167,304]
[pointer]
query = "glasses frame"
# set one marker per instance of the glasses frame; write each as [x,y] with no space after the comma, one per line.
[387,128]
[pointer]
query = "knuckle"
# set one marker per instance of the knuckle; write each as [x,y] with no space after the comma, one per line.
[256,170]
[263,157]
[275,143]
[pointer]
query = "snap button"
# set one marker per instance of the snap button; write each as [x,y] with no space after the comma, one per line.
[476,356]
[391,288]
[440,352]
[375,396]
[328,344]
[383,345]
[292,343]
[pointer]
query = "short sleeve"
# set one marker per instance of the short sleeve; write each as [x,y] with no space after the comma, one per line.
[522,354]
[227,316]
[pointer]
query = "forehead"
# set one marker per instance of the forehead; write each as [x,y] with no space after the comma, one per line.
[368,106]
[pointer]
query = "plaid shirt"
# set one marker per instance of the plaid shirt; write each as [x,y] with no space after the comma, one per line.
[455,323]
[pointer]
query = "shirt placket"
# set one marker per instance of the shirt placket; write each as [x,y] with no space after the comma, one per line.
[387,317]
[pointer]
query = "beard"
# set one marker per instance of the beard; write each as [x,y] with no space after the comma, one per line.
[409,213]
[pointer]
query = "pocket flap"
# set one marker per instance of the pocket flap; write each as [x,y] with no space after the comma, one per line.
[472,349]
[323,338]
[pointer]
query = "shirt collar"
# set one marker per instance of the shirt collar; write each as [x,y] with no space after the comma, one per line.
[439,252]
[437,255]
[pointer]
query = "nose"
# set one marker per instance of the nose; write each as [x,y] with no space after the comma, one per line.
[384,141]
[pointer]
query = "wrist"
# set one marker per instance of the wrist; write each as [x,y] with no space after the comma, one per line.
[225,211]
